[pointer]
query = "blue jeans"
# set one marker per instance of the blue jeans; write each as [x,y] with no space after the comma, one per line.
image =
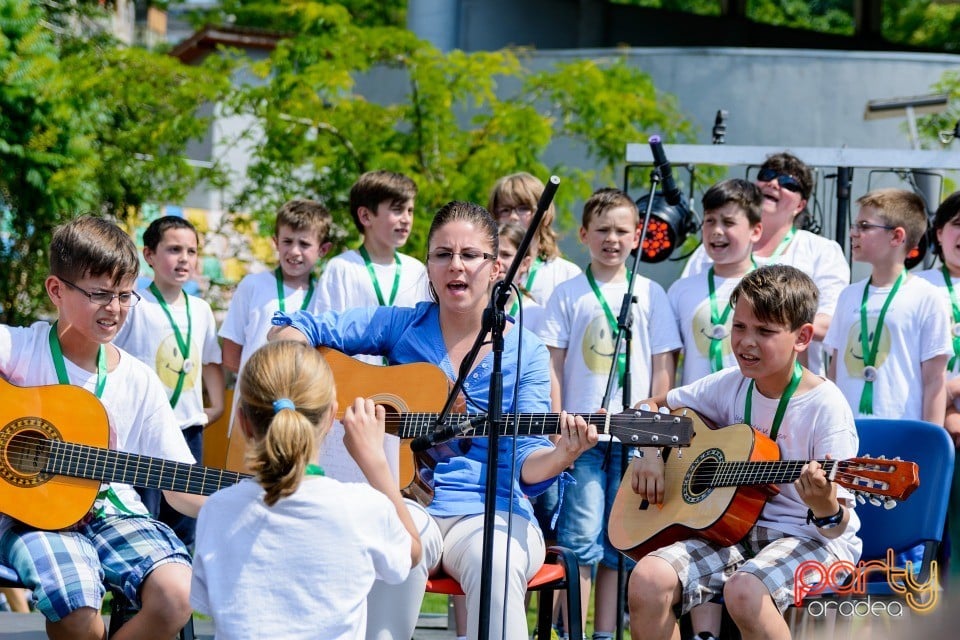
[586,506]
[184,526]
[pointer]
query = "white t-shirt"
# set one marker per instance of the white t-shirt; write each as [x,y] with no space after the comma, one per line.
[549,276]
[914,330]
[248,317]
[140,418]
[815,424]
[935,277]
[820,258]
[690,301]
[346,284]
[576,322]
[303,566]
[149,337]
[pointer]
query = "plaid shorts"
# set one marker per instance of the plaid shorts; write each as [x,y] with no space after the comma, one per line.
[67,569]
[704,567]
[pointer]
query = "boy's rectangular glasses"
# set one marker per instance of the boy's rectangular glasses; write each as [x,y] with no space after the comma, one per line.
[788,182]
[469,258]
[103,298]
[863,225]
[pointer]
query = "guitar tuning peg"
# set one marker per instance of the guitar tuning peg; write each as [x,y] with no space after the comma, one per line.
[897,458]
[881,457]
[663,410]
[875,501]
[679,454]
[889,503]
[860,498]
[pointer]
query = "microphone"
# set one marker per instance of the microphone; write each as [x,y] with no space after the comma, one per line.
[670,191]
[447,432]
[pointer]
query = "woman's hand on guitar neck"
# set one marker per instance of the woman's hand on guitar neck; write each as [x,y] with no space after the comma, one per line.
[576,436]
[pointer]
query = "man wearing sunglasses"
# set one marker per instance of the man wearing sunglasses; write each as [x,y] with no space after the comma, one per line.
[786,183]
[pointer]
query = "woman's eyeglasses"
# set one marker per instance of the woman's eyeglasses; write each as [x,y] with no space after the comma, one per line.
[468,258]
[786,181]
[104,298]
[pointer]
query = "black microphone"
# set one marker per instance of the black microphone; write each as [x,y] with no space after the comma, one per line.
[446,432]
[670,191]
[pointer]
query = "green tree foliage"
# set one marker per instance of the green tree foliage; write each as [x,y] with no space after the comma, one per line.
[462,119]
[85,126]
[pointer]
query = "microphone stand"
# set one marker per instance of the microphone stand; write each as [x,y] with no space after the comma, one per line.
[625,335]
[494,322]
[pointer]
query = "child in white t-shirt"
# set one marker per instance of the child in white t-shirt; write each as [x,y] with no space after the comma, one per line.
[580,327]
[731,224]
[300,234]
[808,520]
[896,368]
[324,542]
[176,335]
[381,205]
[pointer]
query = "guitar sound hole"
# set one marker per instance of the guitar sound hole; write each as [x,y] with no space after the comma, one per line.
[701,480]
[27,452]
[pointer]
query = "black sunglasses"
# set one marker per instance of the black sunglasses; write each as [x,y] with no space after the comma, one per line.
[788,182]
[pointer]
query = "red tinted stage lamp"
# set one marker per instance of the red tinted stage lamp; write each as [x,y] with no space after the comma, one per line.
[667,229]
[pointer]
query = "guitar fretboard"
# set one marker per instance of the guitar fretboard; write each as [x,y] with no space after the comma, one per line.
[739,473]
[107,465]
[636,428]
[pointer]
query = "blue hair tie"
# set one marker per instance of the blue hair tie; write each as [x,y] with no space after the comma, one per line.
[283,403]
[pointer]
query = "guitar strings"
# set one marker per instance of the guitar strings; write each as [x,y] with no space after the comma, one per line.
[64,458]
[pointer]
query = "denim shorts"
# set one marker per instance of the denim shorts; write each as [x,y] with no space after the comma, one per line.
[586,507]
[67,569]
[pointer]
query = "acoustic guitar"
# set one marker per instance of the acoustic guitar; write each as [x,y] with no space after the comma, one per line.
[413,394]
[718,488]
[54,456]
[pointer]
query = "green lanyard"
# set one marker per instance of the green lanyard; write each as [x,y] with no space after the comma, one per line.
[781,247]
[313,470]
[781,406]
[718,322]
[184,345]
[57,353]
[376,283]
[955,308]
[870,349]
[280,296]
[612,320]
[537,263]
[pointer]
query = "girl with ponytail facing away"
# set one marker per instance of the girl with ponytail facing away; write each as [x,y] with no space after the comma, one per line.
[291,549]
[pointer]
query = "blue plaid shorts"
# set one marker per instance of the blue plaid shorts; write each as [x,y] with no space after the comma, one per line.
[67,569]
[704,567]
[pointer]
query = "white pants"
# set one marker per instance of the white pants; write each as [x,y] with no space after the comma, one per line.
[463,559]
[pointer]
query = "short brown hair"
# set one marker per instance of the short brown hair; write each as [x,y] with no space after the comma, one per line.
[301,214]
[89,246]
[743,193]
[375,187]
[779,294]
[899,208]
[604,200]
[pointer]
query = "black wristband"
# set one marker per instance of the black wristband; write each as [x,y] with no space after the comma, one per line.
[825,523]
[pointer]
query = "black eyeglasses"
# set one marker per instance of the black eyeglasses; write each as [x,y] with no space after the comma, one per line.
[104,298]
[786,181]
[863,225]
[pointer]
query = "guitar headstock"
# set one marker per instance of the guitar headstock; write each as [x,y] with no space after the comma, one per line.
[639,428]
[872,478]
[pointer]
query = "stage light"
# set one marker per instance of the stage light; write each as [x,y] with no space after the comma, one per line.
[918,253]
[668,228]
